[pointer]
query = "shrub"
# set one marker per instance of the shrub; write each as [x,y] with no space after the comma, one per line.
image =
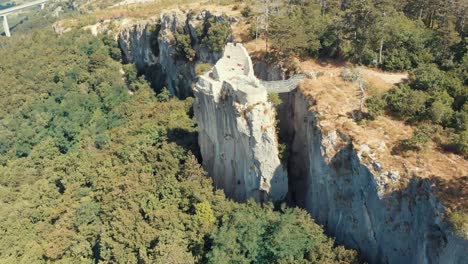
[202,68]
[283,153]
[131,74]
[204,214]
[427,77]
[460,119]
[257,234]
[440,113]
[164,95]
[459,221]
[397,59]
[184,45]
[114,51]
[406,103]
[375,106]
[247,11]
[101,141]
[421,136]
[217,35]
[274,99]
[460,143]
[349,75]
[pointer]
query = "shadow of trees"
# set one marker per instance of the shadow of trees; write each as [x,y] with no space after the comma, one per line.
[185,138]
[453,192]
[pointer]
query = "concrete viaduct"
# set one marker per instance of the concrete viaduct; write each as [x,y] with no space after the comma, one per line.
[15,9]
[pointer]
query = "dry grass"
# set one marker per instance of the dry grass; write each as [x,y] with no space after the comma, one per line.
[241,32]
[335,100]
[141,11]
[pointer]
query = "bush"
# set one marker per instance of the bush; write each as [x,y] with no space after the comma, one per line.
[217,35]
[114,51]
[101,141]
[184,45]
[396,59]
[202,68]
[375,106]
[349,75]
[460,143]
[274,99]
[440,113]
[131,74]
[164,95]
[421,136]
[283,153]
[459,221]
[406,103]
[428,77]
[247,11]
[460,119]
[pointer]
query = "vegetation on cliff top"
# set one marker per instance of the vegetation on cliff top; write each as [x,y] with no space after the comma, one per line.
[427,38]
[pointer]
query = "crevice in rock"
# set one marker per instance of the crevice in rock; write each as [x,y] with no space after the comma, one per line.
[327,178]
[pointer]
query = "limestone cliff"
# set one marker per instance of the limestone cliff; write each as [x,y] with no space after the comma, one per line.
[152,46]
[345,190]
[337,179]
[237,134]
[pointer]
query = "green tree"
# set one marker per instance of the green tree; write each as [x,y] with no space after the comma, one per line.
[164,95]
[299,30]
[217,34]
[256,234]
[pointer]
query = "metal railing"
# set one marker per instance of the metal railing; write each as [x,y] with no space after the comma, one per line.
[284,86]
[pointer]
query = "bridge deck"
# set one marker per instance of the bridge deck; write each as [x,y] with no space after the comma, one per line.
[284,86]
[19,7]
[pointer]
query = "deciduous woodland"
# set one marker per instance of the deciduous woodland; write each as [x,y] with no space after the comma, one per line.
[90,173]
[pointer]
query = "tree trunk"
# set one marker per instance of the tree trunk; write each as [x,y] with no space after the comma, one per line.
[267,21]
[380,51]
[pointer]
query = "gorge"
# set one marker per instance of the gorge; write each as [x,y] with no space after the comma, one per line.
[328,173]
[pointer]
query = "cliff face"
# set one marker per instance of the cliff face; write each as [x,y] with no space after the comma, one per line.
[338,185]
[237,134]
[330,175]
[152,46]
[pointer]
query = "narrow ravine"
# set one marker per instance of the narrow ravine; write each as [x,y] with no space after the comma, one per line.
[327,174]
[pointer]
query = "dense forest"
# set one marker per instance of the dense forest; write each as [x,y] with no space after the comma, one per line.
[96,167]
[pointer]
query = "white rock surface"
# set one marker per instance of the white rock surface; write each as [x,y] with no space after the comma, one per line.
[237,133]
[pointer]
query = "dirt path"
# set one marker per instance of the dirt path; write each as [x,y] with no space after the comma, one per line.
[389,78]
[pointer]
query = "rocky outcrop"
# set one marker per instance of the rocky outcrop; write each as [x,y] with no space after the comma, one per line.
[152,46]
[344,191]
[237,134]
[342,187]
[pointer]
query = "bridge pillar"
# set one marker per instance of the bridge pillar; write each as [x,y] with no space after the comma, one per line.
[6,28]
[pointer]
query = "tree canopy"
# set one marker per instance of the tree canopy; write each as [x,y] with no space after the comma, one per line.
[95,167]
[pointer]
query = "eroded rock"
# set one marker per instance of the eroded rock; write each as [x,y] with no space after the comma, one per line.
[152,46]
[237,134]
